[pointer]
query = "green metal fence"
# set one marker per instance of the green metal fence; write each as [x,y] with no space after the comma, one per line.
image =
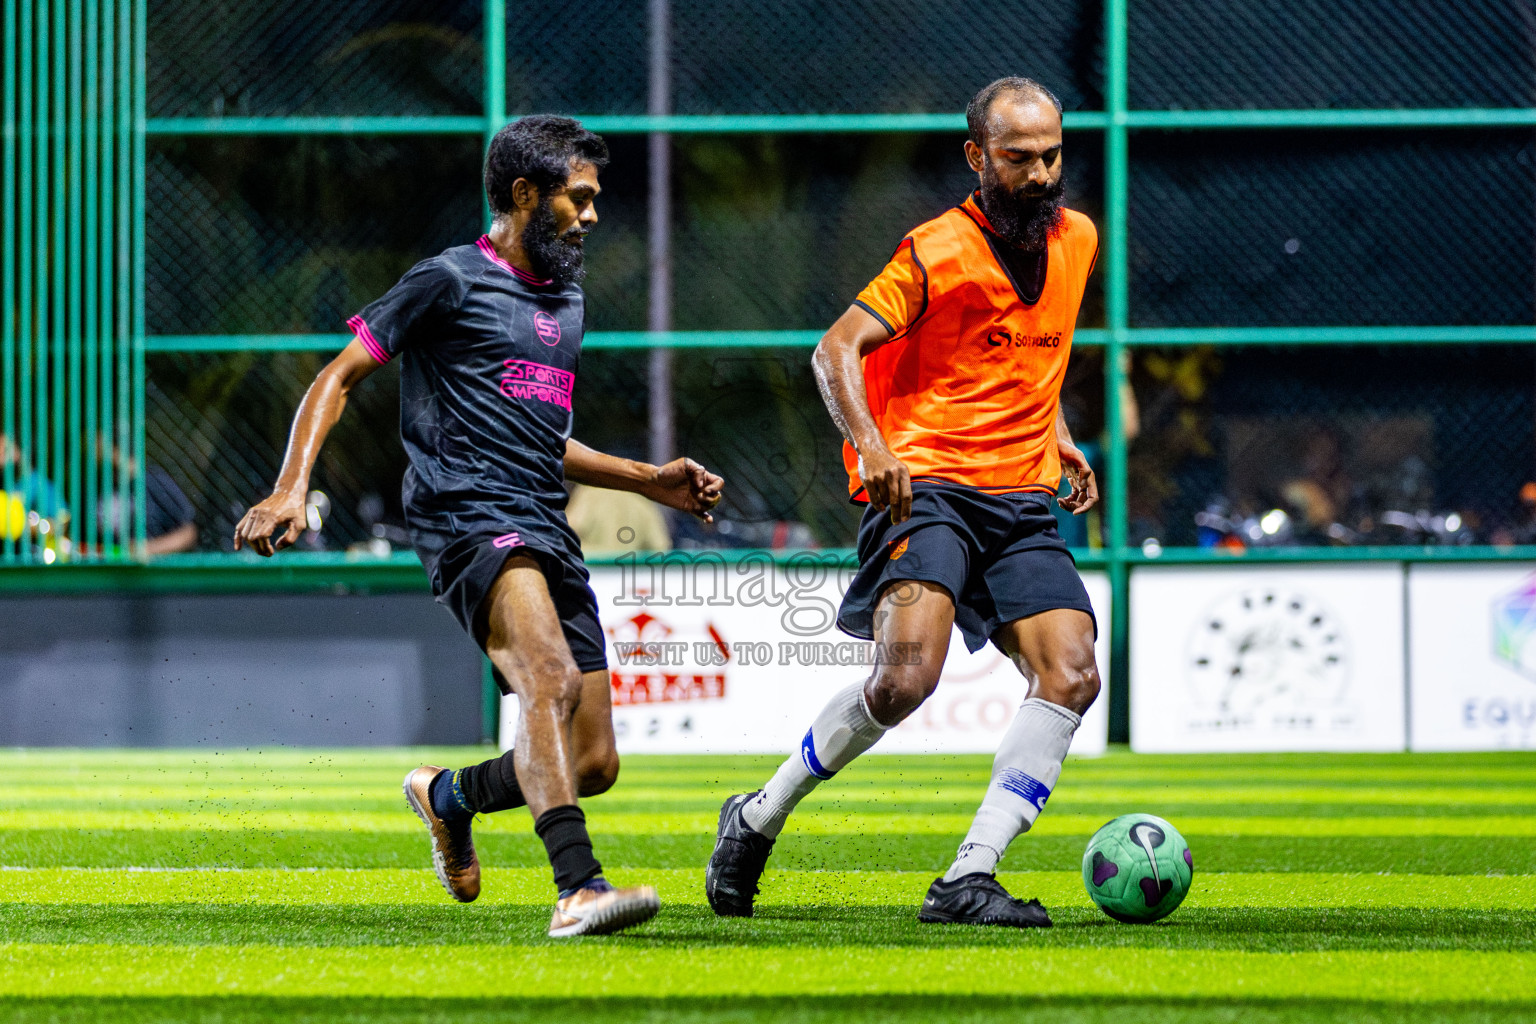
[160,307]
[71,281]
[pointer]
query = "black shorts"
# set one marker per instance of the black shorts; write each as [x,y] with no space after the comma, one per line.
[463,569]
[998,555]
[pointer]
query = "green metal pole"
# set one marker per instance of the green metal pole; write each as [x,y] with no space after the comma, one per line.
[38,342]
[495,114]
[90,256]
[106,247]
[24,211]
[137,394]
[1117,320]
[8,279]
[122,327]
[495,74]
[490,704]
[59,259]
[73,335]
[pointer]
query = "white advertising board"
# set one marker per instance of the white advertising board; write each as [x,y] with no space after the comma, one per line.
[740,658]
[1267,659]
[1472,657]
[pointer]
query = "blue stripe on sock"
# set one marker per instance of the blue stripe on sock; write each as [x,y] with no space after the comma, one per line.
[1016,782]
[808,755]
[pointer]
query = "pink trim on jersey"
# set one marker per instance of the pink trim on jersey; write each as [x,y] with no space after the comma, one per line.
[484,242]
[360,328]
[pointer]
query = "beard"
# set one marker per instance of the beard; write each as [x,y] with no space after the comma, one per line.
[1027,221]
[556,255]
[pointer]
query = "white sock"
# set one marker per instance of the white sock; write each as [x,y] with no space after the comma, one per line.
[843,731]
[1026,768]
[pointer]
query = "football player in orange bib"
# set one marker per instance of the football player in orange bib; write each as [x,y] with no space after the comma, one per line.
[945,379]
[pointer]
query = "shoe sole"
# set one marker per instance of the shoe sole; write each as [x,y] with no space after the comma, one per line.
[996,922]
[438,865]
[721,908]
[616,916]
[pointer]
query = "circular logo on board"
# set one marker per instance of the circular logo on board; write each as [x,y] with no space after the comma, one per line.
[547,328]
[1265,648]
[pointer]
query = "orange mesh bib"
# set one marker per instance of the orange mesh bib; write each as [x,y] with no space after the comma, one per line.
[968,390]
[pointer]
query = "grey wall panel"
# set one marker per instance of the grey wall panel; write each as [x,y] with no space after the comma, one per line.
[235,671]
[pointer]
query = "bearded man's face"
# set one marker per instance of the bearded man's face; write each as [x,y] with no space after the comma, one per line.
[1019,164]
[1024,215]
[555,254]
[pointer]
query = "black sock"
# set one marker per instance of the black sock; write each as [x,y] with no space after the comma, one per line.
[564,831]
[491,786]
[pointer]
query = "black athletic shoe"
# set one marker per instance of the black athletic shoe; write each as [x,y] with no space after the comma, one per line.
[730,879]
[978,899]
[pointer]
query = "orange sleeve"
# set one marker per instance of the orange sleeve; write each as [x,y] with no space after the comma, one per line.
[900,294]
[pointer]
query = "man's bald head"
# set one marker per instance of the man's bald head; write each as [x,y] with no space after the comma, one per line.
[980,107]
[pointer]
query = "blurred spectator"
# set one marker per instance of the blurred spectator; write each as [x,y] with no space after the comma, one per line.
[38,493]
[613,523]
[1321,494]
[168,513]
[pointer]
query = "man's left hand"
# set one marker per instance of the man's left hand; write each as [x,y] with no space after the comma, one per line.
[1085,488]
[685,485]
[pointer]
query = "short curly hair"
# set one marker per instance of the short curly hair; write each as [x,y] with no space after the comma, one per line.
[981,104]
[539,147]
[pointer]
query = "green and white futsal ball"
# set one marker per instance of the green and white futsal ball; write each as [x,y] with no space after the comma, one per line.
[1138,868]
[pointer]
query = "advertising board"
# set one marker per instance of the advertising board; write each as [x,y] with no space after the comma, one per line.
[710,657]
[1267,659]
[1472,657]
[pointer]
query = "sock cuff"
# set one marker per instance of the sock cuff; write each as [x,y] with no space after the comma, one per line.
[456,790]
[870,721]
[1070,720]
[556,816]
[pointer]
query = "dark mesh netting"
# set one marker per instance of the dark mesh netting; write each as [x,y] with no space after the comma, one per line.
[1322,53]
[782,232]
[337,57]
[1291,228]
[289,234]
[284,235]
[219,423]
[819,56]
[1356,446]
[804,56]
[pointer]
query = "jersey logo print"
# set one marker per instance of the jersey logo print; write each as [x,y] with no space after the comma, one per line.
[536,382]
[507,540]
[547,328]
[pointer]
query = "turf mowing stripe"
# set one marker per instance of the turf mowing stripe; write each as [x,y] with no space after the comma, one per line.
[629,967]
[59,848]
[815,821]
[337,795]
[780,888]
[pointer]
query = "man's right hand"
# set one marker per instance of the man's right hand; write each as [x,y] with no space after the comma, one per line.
[887,482]
[281,515]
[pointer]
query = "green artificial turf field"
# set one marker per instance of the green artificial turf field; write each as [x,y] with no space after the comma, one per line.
[295,886]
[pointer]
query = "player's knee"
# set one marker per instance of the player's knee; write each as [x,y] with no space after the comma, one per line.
[549,678]
[1074,687]
[895,691]
[597,772]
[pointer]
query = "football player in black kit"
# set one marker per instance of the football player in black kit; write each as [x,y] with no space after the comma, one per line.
[489,339]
